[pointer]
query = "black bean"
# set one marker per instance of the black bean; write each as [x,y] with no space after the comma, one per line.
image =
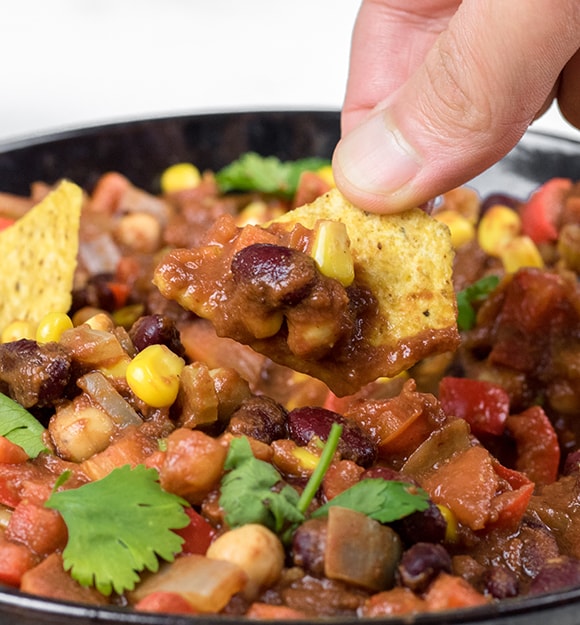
[261,418]
[422,526]
[556,574]
[309,545]
[306,422]
[277,275]
[421,563]
[156,330]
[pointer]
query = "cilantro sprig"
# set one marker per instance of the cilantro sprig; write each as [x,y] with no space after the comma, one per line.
[247,494]
[473,294]
[268,174]
[21,427]
[119,526]
[382,500]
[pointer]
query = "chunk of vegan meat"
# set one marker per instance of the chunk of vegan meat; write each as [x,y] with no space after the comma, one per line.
[33,374]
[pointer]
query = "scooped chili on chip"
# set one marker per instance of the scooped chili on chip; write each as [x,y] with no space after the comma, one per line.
[39,257]
[325,289]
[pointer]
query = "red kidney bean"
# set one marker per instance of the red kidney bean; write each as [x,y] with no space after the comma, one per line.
[556,574]
[280,275]
[306,422]
[156,330]
[500,582]
[421,564]
[309,545]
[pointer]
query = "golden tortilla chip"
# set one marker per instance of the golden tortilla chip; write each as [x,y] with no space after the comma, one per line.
[406,259]
[399,309]
[39,257]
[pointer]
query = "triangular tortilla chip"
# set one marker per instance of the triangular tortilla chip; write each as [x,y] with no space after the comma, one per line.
[39,256]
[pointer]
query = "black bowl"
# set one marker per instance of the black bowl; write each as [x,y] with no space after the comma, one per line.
[141,150]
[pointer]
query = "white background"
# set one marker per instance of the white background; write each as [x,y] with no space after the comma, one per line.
[70,63]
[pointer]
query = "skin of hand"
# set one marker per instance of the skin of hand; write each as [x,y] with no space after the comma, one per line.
[439,90]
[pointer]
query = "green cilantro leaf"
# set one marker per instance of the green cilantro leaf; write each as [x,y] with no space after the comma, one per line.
[252,172]
[118,526]
[248,495]
[20,427]
[476,292]
[382,500]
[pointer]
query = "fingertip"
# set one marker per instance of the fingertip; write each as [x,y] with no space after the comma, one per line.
[373,165]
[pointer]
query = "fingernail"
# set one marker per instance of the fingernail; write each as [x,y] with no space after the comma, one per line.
[375,157]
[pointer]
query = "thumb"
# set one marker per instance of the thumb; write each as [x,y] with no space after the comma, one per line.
[482,83]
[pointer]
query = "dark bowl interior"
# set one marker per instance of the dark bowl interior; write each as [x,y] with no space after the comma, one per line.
[141,150]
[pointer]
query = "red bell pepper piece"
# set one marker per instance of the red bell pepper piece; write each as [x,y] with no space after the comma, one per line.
[5,222]
[198,535]
[538,450]
[510,505]
[484,405]
[540,214]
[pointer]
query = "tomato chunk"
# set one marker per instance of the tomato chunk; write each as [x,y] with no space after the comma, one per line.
[540,214]
[198,535]
[484,405]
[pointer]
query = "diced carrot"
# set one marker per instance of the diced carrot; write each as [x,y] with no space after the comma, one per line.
[15,560]
[120,293]
[10,452]
[273,612]
[166,602]
[394,601]
[449,591]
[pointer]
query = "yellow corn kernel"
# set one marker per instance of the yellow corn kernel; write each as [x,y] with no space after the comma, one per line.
[254,213]
[51,327]
[461,228]
[451,531]
[326,174]
[180,177]
[521,252]
[331,251]
[153,375]
[307,460]
[18,330]
[498,226]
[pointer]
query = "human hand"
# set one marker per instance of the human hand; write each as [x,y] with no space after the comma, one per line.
[439,90]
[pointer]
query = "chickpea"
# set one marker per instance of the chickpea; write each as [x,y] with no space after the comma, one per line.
[140,232]
[256,550]
[79,430]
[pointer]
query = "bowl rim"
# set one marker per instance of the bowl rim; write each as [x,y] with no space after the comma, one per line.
[16,602]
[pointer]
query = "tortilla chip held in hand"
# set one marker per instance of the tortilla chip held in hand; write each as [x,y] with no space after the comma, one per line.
[326,289]
[39,257]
